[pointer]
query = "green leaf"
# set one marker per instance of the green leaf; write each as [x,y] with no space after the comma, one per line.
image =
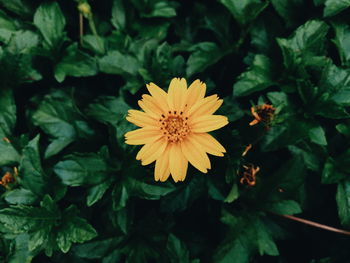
[343,202]
[150,191]
[258,77]
[284,207]
[20,7]
[117,63]
[236,251]
[177,250]
[7,112]
[23,42]
[32,176]
[96,249]
[20,196]
[265,242]
[118,19]
[331,173]
[289,10]
[50,20]
[307,41]
[82,168]
[73,229]
[183,196]
[96,192]
[318,136]
[162,9]
[75,63]
[333,7]
[342,41]
[244,11]
[7,22]
[204,54]
[10,154]
[93,43]
[36,221]
[108,109]
[56,116]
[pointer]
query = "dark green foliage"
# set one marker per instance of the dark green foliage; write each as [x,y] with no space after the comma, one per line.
[79,194]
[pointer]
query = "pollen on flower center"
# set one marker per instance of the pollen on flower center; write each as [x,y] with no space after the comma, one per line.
[174,126]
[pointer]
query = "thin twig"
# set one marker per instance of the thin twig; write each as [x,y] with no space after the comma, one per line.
[318,225]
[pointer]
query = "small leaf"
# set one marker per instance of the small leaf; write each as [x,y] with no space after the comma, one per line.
[96,192]
[82,168]
[75,63]
[117,63]
[73,229]
[7,112]
[318,136]
[108,109]
[49,19]
[342,41]
[56,115]
[284,207]
[118,15]
[32,176]
[257,78]
[343,202]
[204,55]
[20,196]
[244,11]
[333,7]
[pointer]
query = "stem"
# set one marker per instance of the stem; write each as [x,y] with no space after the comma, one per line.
[92,25]
[314,224]
[81,28]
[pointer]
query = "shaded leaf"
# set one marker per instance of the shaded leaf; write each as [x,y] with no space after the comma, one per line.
[257,78]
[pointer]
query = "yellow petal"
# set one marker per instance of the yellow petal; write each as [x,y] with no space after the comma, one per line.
[162,171]
[177,94]
[141,119]
[143,135]
[159,95]
[208,123]
[197,157]
[155,151]
[209,143]
[150,106]
[206,106]
[149,148]
[195,92]
[178,163]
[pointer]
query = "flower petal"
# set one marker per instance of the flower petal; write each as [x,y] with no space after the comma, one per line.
[150,106]
[141,119]
[178,163]
[196,156]
[209,143]
[159,95]
[150,148]
[177,94]
[162,170]
[195,92]
[206,106]
[154,152]
[208,123]
[143,136]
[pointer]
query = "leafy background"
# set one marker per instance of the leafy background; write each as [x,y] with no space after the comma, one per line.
[81,196]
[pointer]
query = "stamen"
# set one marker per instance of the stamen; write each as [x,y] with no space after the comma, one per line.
[175,126]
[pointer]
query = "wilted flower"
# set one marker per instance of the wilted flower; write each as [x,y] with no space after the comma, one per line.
[249,175]
[262,113]
[174,128]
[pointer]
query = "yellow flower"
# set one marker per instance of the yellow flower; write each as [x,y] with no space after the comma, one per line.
[174,128]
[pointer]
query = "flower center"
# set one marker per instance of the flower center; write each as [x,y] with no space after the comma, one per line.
[174,126]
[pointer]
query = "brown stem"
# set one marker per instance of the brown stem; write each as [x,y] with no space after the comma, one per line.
[318,225]
[81,28]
